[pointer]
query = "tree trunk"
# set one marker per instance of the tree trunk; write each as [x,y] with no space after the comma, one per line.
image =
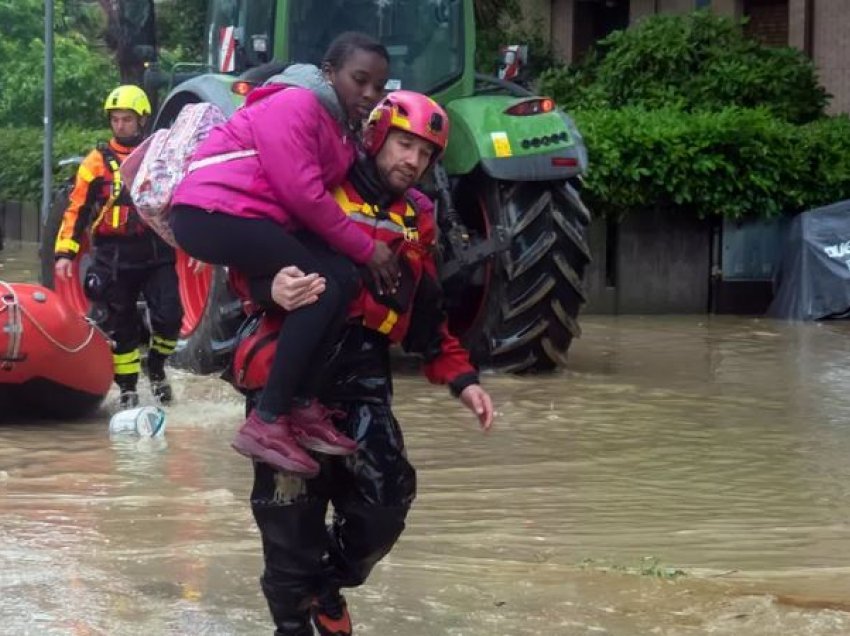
[131,35]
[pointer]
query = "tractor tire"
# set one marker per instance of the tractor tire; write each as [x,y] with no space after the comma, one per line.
[212,315]
[532,292]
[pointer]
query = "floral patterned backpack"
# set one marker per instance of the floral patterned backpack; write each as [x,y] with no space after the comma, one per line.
[153,170]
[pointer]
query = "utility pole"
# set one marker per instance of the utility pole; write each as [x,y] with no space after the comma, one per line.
[47,159]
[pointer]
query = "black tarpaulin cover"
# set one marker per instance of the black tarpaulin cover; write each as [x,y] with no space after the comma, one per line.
[814,276]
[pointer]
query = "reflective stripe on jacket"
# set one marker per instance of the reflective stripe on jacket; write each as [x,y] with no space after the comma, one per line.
[421,325]
[99,201]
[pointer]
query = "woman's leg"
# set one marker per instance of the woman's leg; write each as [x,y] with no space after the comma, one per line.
[308,331]
[260,248]
[256,247]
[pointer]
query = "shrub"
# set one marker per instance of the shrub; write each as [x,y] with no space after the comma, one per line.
[696,62]
[733,163]
[20,179]
[82,75]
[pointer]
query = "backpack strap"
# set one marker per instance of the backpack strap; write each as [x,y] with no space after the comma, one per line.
[119,195]
[112,204]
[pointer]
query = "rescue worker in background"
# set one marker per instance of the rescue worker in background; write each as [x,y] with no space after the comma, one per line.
[129,258]
[372,489]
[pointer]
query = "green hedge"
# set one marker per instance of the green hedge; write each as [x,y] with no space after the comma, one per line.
[20,174]
[693,62]
[733,163]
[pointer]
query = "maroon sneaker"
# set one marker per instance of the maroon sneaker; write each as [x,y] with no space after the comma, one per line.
[313,428]
[273,443]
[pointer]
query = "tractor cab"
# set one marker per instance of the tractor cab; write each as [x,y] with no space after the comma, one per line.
[427,40]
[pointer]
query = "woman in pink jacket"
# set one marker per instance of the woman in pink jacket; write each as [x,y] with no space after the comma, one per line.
[257,198]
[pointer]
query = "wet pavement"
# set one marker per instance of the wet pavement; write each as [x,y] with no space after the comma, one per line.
[686,475]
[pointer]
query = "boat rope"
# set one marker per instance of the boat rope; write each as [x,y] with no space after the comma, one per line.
[14,326]
[10,301]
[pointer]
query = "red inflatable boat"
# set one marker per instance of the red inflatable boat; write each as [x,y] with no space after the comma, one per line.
[53,361]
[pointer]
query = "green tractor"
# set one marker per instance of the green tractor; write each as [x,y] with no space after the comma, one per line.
[513,248]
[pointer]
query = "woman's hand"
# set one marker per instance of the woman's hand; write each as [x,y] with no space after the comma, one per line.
[384,268]
[292,288]
[477,400]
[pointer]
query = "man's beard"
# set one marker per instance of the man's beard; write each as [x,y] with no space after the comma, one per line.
[131,141]
[371,184]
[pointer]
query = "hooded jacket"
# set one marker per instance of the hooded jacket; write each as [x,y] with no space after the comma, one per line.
[304,150]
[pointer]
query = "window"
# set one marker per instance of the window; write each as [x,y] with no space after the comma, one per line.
[425,38]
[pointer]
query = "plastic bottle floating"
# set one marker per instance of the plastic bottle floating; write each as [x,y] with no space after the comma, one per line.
[144,421]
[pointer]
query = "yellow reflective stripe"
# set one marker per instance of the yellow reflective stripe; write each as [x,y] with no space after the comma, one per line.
[98,220]
[127,369]
[352,207]
[116,191]
[126,363]
[85,174]
[389,322]
[116,177]
[163,345]
[130,356]
[67,246]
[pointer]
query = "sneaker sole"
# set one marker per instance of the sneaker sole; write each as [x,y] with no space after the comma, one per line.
[249,447]
[321,446]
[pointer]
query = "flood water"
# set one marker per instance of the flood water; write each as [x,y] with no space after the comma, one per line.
[686,475]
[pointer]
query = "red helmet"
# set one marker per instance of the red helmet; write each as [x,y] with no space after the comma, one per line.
[406,110]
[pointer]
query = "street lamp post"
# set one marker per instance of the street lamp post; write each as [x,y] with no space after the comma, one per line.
[47,159]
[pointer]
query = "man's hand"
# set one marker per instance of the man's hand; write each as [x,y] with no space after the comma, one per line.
[292,288]
[384,268]
[477,400]
[63,267]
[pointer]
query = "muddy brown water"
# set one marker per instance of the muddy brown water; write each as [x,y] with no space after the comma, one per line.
[686,475]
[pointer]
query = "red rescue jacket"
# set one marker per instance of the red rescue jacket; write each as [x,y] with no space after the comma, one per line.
[415,320]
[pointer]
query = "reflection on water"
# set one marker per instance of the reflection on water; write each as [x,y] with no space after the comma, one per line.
[717,447]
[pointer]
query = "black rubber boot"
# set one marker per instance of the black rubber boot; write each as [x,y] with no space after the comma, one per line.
[128,398]
[160,386]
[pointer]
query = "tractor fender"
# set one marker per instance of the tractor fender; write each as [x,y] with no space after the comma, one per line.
[541,147]
[212,88]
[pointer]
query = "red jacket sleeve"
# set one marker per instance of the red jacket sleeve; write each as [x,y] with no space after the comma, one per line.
[446,359]
[286,130]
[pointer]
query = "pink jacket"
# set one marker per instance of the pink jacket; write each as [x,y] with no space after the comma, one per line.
[302,154]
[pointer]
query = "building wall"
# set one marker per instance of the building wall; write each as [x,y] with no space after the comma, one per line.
[563,12]
[536,13]
[768,21]
[726,7]
[675,6]
[641,9]
[831,50]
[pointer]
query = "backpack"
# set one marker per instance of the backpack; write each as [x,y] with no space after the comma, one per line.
[155,168]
